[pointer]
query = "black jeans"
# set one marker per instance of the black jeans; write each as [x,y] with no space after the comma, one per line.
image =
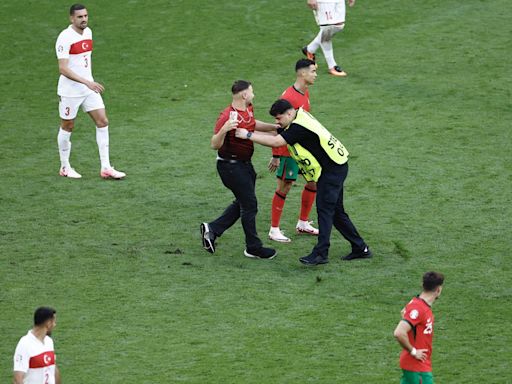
[240,178]
[330,210]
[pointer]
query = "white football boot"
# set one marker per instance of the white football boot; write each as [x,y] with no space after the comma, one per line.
[276,235]
[305,228]
[111,173]
[69,172]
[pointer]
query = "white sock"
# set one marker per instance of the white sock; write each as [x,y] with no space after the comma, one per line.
[64,143]
[315,44]
[102,141]
[328,53]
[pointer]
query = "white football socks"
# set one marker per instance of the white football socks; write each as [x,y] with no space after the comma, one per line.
[326,49]
[315,44]
[328,53]
[102,141]
[64,143]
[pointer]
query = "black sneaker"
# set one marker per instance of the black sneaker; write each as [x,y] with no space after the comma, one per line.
[309,55]
[313,260]
[208,238]
[364,254]
[261,253]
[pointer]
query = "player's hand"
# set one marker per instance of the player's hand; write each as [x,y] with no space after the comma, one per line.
[421,354]
[229,125]
[351,3]
[96,87]
[313,4]
[273,164]
[241,133]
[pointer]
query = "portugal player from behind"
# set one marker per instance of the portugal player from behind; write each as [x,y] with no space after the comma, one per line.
[416,330]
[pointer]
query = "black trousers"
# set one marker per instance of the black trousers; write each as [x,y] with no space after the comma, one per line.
[240,178]
[330,210]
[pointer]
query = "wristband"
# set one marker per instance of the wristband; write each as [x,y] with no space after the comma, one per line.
[249,134]
[413,352]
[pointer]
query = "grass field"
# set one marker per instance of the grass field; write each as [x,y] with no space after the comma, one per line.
[425,114]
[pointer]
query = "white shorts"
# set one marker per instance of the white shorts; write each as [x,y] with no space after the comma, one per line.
[330,13]
[68,106]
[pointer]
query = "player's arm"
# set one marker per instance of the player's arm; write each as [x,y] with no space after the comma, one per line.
[401,335]
[18,377]
[313,4]
[274,163]
[57,375]
[265,127]
[218,138]
[263,138]
[65,71]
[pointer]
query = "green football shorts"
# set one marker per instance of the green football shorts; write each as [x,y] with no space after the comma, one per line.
[288,169]
[409,377]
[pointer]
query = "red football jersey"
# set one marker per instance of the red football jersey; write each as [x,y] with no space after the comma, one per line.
[419,315]
[298,100]
[233,147]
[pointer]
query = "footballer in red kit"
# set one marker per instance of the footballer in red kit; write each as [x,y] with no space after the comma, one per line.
[419,315]
[285,167]
[415,332]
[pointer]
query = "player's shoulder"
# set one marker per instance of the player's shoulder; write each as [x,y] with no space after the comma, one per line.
[48,341]
[24,340]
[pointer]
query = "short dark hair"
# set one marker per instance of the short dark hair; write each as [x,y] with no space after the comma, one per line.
[303,63]
[279,107]
[239,86]
[43,314]
[75,7]
[432,280]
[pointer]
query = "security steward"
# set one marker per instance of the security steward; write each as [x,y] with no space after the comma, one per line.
[321,158]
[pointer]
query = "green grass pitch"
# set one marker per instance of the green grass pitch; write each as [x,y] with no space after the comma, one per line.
[425,113]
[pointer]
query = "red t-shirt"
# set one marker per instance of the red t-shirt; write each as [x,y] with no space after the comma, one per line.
[297,100]
[419,315]
[233,147]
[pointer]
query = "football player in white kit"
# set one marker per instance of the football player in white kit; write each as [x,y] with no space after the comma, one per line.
[77,88]
[330,17]
[34,358]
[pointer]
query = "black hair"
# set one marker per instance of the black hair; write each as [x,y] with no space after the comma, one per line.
[75,7]
[279,107]
[432,280]
[303,63]
[43,314]
[239,86]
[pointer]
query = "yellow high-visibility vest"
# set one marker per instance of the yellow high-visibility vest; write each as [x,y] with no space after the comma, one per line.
[308,164]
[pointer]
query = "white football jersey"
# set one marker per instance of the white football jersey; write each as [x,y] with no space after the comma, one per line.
[36,359]
[77,48]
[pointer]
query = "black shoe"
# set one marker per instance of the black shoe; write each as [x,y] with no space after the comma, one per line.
[309,55]
[313,260]
[208,238]
[364,254]
[261,253]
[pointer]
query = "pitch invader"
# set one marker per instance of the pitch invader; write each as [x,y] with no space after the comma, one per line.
[330,18]
[76,89]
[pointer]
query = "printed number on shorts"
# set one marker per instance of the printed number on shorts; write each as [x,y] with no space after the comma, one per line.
[86,61]
[66,113]
[328,15]
[46,378]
